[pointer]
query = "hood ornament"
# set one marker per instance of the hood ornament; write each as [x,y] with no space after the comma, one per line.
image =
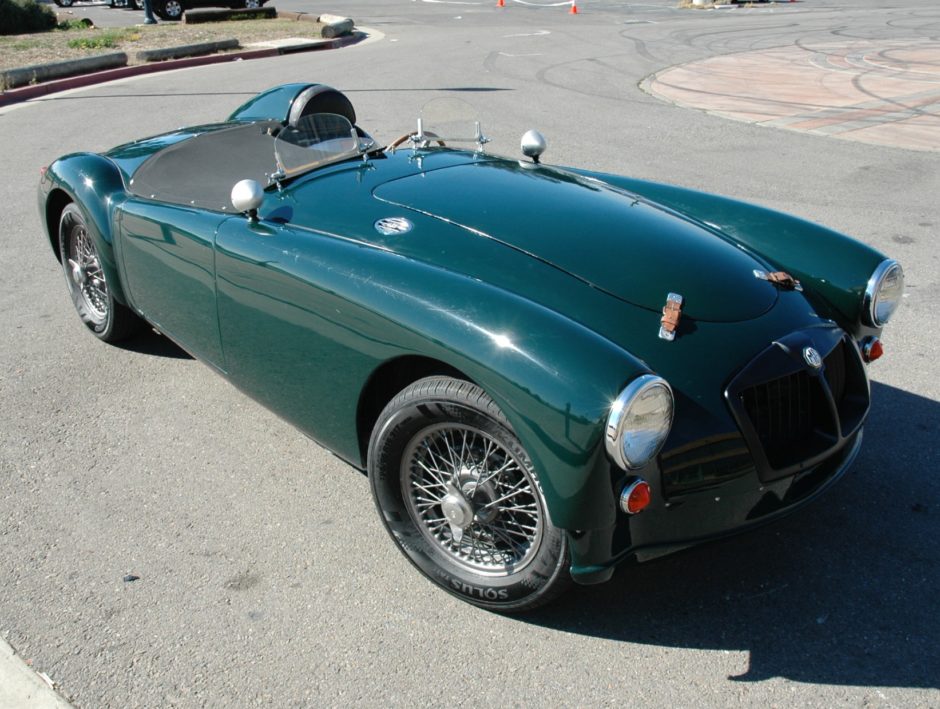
[781,279]
[672,313]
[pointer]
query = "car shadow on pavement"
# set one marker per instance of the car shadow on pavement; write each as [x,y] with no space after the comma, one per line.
[150,342]
[843,592]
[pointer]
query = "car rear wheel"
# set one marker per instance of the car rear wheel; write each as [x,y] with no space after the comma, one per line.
[64,3]
[459,495]
[105,317]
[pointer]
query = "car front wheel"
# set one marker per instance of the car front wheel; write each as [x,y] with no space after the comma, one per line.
[458,493]
[105,317]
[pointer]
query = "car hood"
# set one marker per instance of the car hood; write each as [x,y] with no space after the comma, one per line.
[609,239]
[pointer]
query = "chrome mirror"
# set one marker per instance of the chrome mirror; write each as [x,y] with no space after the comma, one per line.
[247,196]
[533,145]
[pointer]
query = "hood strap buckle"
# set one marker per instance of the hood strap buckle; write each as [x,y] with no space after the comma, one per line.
[672,313]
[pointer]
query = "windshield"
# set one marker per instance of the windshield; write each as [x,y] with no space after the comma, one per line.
[450,119]
[316,140]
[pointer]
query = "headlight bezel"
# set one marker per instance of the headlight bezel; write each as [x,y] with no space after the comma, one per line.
[873,292]
[619,415]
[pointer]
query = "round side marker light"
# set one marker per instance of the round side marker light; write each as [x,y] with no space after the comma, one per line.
[635,496]
[871,349]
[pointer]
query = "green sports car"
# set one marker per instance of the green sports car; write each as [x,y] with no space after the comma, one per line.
[545,371]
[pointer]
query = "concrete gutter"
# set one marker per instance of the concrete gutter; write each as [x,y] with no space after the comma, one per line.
[25,93]
[20,686]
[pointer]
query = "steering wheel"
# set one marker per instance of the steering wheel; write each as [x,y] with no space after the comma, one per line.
[410,136]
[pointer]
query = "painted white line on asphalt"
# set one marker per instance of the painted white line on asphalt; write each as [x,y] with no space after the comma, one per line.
[539,33]
[543,4]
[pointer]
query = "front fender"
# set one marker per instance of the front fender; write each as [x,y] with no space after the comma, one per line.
[95,184]
[307,317]
[833,268]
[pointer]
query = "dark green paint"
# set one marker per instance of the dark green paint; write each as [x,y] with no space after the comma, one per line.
[543,286]
[834,267]
[273,104]
[624,246]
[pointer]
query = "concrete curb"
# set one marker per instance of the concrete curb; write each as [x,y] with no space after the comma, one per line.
[22,76]
[185,50]
[22,687]
[30,92]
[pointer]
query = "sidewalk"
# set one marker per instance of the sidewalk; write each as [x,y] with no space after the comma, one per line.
[20,686]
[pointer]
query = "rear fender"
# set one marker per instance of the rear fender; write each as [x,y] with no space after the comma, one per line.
[273,104]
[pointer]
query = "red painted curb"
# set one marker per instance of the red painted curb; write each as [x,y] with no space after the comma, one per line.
[73,82]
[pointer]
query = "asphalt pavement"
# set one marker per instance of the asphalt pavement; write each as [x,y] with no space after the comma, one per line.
[263,573]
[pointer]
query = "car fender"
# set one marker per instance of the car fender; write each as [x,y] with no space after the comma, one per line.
[273,104]
[832,268]
[95,184]
[554,381]
[289,293]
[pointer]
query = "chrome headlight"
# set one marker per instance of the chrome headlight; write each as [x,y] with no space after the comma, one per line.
[883,292]
[639,421]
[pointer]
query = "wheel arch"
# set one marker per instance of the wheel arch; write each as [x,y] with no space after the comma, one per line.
[387,380]
[96,186]
[553,378]
[55,204]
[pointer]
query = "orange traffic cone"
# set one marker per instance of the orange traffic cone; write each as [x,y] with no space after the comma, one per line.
[501,3]
[574,8]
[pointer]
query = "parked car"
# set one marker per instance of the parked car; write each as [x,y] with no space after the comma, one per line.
[545,371]
[174,9]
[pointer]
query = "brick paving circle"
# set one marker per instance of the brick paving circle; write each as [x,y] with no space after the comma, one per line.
[881,92]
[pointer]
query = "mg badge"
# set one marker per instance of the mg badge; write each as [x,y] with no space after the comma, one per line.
[390,226]
[812,357]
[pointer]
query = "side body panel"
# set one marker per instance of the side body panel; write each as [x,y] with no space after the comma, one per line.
[168,258]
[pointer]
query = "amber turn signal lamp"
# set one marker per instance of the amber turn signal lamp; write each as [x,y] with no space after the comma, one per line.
[635,496]
[872,349]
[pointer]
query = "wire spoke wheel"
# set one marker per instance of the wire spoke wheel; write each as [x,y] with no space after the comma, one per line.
[106,317]
[458,493]
[83,267]
[470,496]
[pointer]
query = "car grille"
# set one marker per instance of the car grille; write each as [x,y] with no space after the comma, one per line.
[794,419]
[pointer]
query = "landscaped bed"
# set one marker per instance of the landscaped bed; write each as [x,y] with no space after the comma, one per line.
[74,43]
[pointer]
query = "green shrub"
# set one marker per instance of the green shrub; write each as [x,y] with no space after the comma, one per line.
[105,40]
[23,16]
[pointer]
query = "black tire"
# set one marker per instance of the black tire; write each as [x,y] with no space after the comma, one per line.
[170,10]
[102,314]
[64,3]
[506,558]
